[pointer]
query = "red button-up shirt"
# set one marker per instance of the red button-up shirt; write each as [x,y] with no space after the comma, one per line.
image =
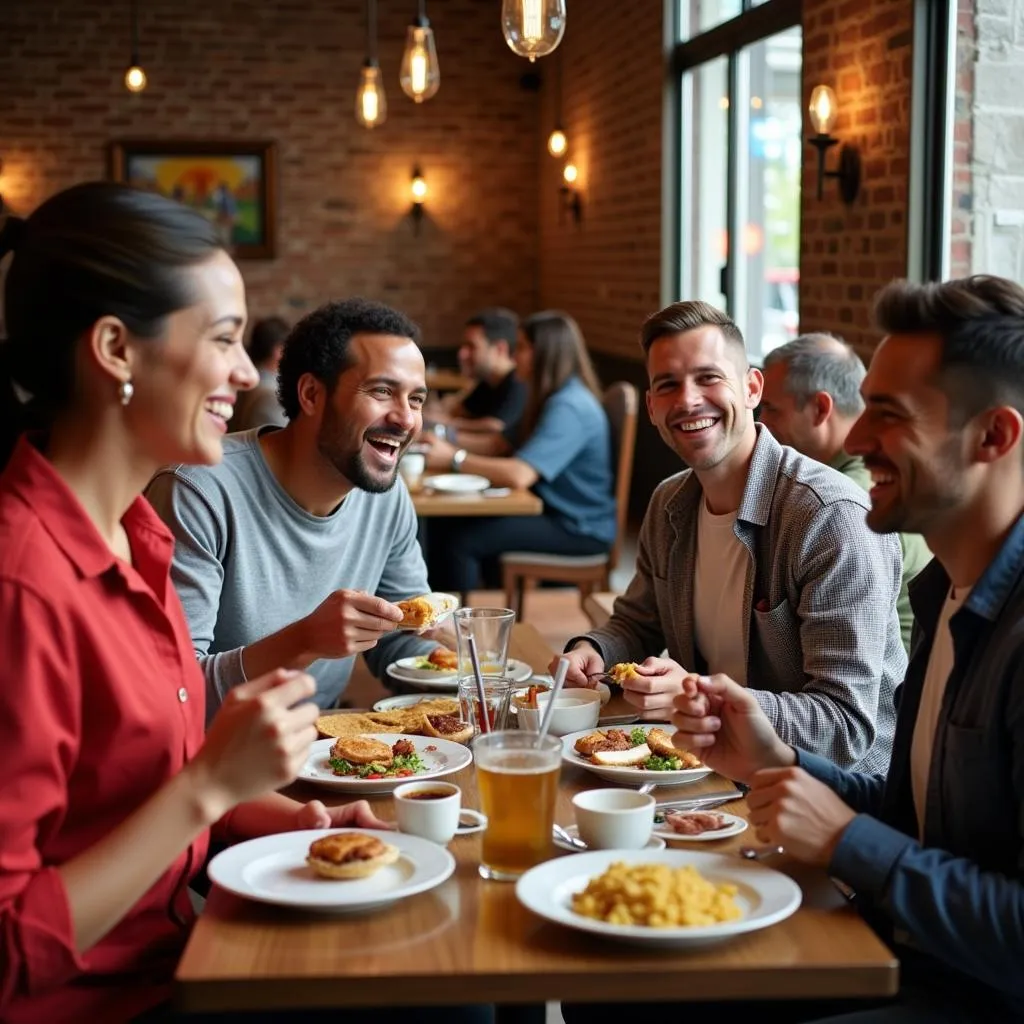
[101,702]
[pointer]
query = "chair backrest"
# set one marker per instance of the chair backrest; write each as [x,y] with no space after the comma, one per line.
[621,402]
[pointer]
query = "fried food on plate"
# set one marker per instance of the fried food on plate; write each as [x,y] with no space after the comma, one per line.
[634,757]
[660,743]
[610,739]
[447,727]
[350,855]
[442,658]
[407,720]
[416,612]
[362,750]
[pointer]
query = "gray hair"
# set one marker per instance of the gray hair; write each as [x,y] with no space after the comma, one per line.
[821,362]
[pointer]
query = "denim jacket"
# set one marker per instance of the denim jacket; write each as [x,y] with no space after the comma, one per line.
[957,899]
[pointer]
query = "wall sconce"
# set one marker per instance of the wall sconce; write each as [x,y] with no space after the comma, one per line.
[570,194]
[823,109]
[418,191]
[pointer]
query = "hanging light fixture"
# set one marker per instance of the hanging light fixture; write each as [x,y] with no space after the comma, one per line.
[557,141]
[135,77]
[421,74]
[371,103]
[533,28]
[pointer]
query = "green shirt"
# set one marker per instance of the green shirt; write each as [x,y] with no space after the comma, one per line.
[915,552]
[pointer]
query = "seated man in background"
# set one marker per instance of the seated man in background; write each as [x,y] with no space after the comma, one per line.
[260,405]
[497,400]
[810,401]
[756,562]
[291,551]
[934,850]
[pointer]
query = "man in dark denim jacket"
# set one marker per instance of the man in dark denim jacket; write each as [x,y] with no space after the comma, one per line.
[935,852]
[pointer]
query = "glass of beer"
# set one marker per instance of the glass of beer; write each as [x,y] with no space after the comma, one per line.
[518,782]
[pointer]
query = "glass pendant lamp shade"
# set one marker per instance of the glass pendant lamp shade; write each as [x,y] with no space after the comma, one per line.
[533,28]
[420,75]
[371,103]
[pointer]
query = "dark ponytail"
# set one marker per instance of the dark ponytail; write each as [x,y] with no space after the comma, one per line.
[93,250]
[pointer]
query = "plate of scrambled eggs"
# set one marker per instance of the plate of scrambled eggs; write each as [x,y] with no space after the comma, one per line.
[666,898]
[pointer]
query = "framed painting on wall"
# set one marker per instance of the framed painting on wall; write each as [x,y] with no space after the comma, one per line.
[234,184]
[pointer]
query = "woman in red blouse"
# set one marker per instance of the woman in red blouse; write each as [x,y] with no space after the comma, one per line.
[124,318]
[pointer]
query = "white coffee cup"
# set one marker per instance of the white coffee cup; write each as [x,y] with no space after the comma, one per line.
[433,810]
[412,467]
[614,819]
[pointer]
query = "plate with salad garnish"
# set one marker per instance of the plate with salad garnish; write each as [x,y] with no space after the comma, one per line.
[633,755]
[378,762]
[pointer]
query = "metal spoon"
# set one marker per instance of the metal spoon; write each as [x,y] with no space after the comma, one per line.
[760,852]
[569,840]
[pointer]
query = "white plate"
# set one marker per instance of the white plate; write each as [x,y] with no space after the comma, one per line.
[629,776]
[405,700]
[457,483]
[445,682]
[734,826]
[273,869]
[654,843]
[447,757]
[766,896]
[443,605]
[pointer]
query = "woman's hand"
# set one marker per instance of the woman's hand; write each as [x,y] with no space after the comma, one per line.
[357,815]
[257,742]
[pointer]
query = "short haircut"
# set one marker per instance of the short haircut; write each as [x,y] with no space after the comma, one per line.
[821,362]
[498,324]
[681,317]
[319,343]
[266,335]
[980,321]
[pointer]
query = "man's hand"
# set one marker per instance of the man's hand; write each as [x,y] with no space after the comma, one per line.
[358,815]
[657,683]
[584,661]
[722,723]
[437,450]
[346,623]
[790,808]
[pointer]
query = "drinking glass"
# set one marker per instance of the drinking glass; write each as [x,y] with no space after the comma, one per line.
[518,782]
[497,693]
[492,630]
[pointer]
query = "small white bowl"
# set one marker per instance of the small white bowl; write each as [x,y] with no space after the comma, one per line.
[575,710]
[614,819]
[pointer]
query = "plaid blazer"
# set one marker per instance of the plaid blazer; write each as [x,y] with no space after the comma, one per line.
[820,625]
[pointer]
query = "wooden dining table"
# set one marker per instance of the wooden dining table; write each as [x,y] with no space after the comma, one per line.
[470,941]
[430,503]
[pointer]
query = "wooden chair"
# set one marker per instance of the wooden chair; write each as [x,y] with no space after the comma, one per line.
[522,570]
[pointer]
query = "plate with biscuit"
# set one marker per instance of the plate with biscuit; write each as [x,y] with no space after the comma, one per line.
[438,672]
[365,763]
[425,611]
[337,870]
[633,755]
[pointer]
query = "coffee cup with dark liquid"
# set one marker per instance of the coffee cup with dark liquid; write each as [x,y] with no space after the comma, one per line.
[432,810]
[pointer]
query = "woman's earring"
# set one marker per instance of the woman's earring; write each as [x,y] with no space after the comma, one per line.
[125,391]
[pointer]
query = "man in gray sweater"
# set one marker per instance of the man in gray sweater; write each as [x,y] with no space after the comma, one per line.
[291,551]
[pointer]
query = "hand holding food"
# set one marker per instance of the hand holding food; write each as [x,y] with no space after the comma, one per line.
[790,808]
[584,662]
[350,855]
[347,622]
[721,721]
[651,686]
[258,741]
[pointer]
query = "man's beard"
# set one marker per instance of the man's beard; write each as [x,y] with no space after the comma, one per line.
[351,464]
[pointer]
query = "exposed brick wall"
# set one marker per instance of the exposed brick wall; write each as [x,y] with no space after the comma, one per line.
[606,270]
[287,71]
[863,50]
[963,142]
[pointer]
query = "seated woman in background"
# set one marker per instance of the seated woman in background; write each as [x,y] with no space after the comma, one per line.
[562,450]
[125,320]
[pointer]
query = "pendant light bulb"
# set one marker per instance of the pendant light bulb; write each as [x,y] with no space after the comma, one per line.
[420,74]
[135,78]
[533,28]
[371,103]
[557,143]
